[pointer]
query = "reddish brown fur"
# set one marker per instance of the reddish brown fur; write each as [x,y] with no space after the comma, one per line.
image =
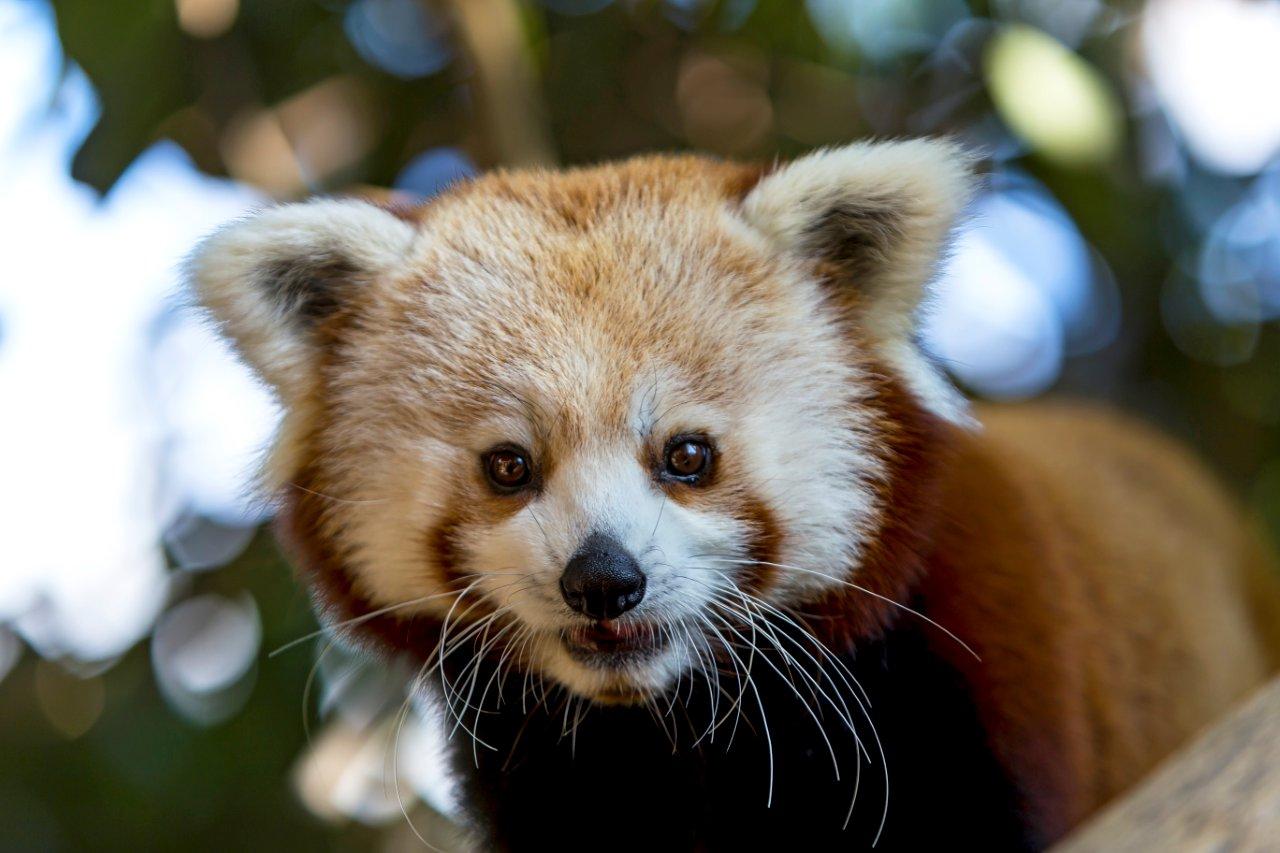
[915,446]
[767,538]
[1103,579]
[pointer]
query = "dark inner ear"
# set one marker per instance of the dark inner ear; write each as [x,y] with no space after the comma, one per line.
[856,237]
[309,290]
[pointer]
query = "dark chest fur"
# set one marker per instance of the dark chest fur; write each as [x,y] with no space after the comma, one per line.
[610,778]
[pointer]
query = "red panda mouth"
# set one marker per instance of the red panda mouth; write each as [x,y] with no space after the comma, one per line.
[611,643]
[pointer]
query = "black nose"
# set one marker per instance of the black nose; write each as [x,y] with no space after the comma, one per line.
[602,580]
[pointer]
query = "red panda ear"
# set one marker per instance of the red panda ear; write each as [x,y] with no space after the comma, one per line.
[270,279]
[876,218]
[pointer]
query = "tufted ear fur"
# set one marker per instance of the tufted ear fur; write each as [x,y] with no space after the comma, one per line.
[271,279]
[874,218]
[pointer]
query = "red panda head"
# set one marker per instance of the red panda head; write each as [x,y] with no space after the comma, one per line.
[610,410]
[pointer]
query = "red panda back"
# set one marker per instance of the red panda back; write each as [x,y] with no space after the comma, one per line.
[1110,587]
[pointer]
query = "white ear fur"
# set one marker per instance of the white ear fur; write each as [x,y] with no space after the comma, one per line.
[267,278]
[880,214]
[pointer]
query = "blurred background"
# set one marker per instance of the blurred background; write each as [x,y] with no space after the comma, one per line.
[1126,247]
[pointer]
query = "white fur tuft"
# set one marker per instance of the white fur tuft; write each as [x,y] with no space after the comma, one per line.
[230,275]
[909,194]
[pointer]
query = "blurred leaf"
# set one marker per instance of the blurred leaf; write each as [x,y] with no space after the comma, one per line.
[136,58]
[1053,98]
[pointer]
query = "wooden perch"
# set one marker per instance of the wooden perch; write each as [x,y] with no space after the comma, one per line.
[1222,792]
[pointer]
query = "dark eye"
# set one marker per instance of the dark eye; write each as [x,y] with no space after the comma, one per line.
[688,458]
[507,468]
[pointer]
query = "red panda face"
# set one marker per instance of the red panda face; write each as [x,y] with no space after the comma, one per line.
[610,411]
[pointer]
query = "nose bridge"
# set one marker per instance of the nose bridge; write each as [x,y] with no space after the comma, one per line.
[599,490]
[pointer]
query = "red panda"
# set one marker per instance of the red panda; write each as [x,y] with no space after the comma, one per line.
[642,466]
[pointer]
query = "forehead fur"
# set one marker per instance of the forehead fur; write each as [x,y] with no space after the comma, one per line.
[582,285]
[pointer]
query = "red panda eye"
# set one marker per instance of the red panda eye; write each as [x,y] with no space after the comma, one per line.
[687,457]
[507,468]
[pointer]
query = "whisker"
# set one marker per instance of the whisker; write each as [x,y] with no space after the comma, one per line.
[851,585]
[718,599]
[395,767]
[335,499]
[803,702]
[362,618]
[306,691]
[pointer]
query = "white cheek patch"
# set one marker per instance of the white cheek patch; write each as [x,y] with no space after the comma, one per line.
[518,559]
[684,578]
[814,469]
